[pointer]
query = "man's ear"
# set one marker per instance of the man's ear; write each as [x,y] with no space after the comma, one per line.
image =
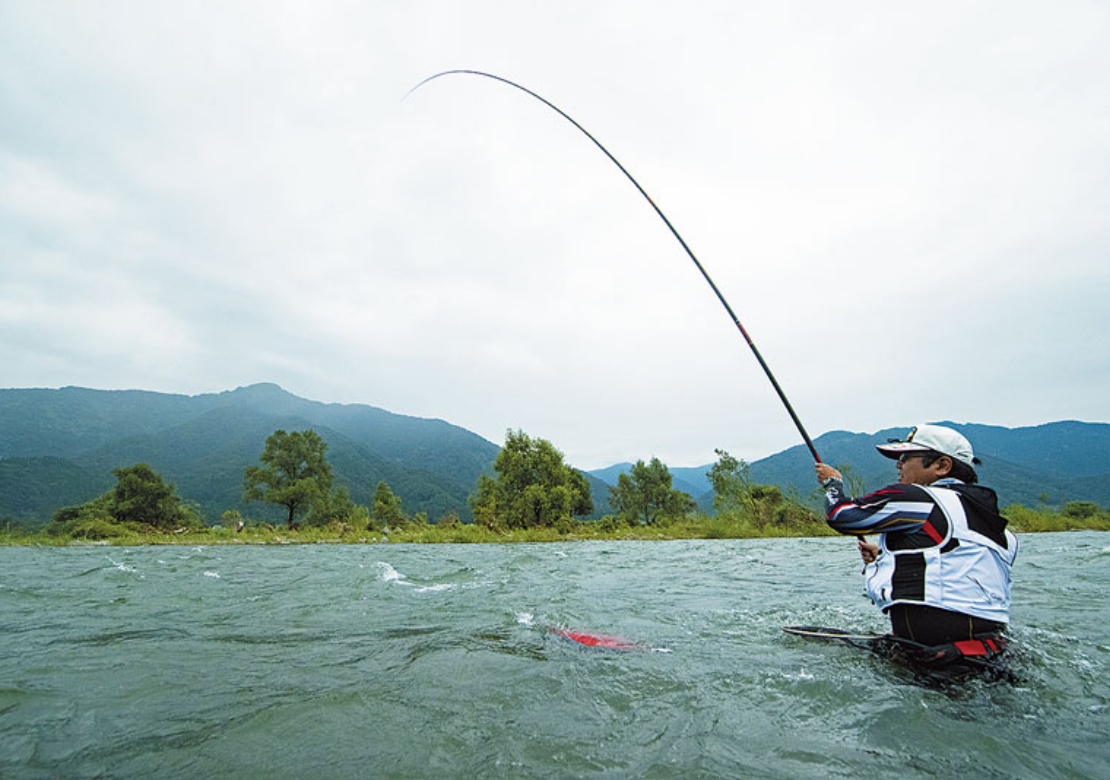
[944,465]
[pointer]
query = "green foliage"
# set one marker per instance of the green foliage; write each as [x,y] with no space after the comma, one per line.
[580,500]
[232,518]
[766,502]
[91,522]
[854,482]
[533,487]
[1083,516]
[387,512]
[756,507]
[141,502]
[448,521]
[1080,509]
[337,507]
[58,447]
[731,481]
[359,516]
[142,497]
[294,474]
[645,496]
[739,525]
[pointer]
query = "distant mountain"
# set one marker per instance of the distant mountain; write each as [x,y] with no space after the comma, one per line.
[1052,463]
[59,447]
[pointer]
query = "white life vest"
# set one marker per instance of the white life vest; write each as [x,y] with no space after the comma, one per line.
[970,576]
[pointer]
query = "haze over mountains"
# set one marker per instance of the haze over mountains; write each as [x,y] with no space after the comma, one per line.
[59,447]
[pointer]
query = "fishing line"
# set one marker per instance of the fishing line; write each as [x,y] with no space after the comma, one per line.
[667,222]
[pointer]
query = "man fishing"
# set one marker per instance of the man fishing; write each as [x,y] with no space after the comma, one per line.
[941,570]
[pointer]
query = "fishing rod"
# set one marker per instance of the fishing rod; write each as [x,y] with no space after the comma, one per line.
[667,222]
[922,659]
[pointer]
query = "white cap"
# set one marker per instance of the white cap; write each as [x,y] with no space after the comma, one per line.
[932,438]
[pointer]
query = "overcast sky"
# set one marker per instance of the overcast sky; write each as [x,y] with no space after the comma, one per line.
[906,205]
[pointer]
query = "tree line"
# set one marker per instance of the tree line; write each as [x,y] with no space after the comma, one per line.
[530,487]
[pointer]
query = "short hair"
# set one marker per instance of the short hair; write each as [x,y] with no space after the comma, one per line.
[963,472]
[959,470]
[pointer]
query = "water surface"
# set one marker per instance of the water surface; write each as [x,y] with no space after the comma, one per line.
[413,661]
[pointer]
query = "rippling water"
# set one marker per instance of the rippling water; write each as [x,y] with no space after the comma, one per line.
[439,661]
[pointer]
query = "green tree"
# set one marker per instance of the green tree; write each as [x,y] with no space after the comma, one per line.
[449,520]
[582,501]
[294,473]
[645,495]
[854,483]
[1080,509]
[387,512]
[338,507]
[233,518]
[140,498]
[533,487]
[763,505]
[88,521]
[732,484]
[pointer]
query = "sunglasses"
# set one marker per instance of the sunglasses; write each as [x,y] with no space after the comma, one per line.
[929,458]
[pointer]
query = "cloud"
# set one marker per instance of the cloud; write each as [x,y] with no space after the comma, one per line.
[904,205]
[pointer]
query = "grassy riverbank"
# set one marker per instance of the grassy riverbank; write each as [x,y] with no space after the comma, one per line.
[1022,519]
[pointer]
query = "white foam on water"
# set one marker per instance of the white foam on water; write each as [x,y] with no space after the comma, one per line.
[123,566]
[213,574]
[525,618]
[387,573]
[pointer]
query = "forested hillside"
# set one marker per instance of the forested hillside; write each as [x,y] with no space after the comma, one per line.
[1048,464]
[59,447]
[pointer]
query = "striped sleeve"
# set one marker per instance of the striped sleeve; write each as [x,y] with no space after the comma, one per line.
[891,509]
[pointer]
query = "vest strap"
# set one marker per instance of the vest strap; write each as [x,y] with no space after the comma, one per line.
[932,531]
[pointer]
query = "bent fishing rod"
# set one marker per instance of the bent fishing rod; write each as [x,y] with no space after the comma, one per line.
[667,222]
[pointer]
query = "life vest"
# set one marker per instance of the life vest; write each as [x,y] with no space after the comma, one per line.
[964,571]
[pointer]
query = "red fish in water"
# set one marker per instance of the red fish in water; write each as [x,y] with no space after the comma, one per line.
[595,640]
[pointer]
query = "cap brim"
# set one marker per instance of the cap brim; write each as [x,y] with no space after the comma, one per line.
[895,449]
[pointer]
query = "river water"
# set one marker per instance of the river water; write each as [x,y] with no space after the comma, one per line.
[422,661]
